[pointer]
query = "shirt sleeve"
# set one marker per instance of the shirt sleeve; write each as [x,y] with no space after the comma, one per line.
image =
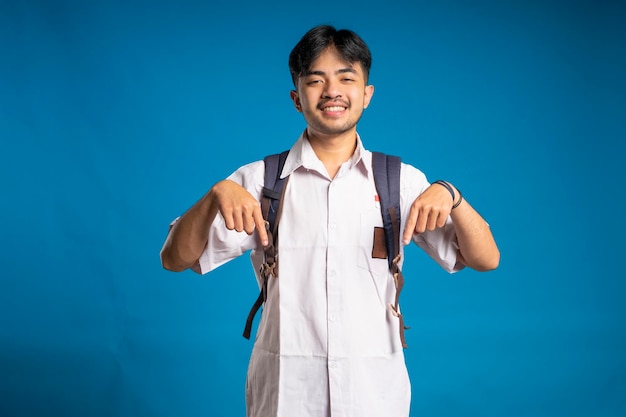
[440,244]
[224,245]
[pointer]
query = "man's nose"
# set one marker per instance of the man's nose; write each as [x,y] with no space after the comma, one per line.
[331,89]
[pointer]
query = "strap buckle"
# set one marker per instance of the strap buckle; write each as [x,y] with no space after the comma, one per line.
[268,269]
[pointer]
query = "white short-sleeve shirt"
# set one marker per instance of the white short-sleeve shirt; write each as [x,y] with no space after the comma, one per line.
[327,342]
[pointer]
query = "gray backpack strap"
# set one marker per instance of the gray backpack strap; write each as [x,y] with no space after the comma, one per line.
[386,169]
[271,204]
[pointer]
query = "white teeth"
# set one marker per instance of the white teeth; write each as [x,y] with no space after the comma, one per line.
[334,108]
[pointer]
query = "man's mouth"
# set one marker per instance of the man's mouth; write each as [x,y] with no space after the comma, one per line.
[333,106]
[333,109]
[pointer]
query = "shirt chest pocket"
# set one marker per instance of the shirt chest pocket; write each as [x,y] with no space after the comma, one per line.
[373,251]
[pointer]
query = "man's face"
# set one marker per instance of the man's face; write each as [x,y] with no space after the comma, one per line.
[332,95]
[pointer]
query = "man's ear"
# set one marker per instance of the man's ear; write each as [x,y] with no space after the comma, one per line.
[296,99]
[369,92]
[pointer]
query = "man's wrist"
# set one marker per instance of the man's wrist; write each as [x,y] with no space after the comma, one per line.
[455,202]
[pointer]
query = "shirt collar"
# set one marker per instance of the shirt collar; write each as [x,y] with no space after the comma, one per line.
[302,154]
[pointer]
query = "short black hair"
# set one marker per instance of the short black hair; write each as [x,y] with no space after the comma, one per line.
[349,45]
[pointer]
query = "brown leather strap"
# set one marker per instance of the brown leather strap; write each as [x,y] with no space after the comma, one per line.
[255,308]
[269,268]
[398,278]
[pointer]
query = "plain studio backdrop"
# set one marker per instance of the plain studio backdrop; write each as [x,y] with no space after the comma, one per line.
[116,116]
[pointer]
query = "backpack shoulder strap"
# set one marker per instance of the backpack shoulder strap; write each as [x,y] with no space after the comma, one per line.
[273,187]
[386,169]
[271,199]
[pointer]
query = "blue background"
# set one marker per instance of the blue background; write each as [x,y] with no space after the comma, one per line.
[116,116]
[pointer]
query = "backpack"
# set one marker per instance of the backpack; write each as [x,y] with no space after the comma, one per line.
[386,169]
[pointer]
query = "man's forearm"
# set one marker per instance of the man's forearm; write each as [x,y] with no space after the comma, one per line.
[476,243]
[188,236]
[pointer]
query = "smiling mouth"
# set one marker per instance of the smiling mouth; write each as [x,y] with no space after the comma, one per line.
[334,109]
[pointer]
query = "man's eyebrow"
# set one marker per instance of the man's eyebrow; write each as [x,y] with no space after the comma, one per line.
[340,71]
[347,70]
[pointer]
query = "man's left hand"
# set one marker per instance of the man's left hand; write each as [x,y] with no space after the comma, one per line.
[429,211]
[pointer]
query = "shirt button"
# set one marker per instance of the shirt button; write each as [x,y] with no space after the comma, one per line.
[332,364]
[332,317]
[331,273]
[333,226]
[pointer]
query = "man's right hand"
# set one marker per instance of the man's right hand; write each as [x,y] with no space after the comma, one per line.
[240,209]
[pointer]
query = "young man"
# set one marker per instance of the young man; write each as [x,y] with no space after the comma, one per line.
[328,342]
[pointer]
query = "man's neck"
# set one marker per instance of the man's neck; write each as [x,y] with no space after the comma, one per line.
[333,150]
